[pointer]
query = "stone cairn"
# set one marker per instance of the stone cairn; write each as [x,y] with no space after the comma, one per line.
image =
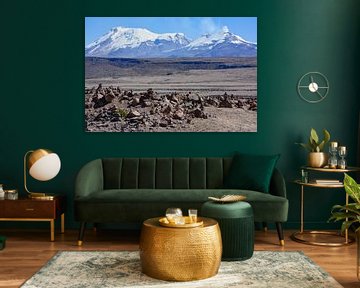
[113,109]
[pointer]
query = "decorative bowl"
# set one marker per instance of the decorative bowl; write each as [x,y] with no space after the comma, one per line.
[228,198]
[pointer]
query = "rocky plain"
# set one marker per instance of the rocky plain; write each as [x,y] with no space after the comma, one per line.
[213,95]
[111,109]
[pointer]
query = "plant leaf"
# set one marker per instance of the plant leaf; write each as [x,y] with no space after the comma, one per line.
[346,225]
[337,216]
[312,144]
[306,146]
[321,146]
[314,135]
[326,136]
[352,188]
[350,207]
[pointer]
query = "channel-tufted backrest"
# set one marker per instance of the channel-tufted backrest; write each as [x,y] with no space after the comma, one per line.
[164,173]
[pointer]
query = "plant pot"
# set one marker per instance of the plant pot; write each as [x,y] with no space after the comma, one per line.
[317,159]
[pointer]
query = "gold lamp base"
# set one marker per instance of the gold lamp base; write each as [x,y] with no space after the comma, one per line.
[41,196]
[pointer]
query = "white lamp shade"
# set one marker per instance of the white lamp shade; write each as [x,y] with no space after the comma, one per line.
[46,168]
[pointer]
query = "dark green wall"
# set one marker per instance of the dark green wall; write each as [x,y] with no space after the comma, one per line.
[42,85]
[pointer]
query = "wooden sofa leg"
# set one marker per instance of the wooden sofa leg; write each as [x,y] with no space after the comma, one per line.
[81,233]
[265,227]
[280,233]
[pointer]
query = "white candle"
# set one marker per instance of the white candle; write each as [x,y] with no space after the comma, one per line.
[342,149]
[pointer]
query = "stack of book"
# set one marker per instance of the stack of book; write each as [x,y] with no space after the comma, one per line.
[327,181]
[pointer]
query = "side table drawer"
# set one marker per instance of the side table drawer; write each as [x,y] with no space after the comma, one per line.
[29,209]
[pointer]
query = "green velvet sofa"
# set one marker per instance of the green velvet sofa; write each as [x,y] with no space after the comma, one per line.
[130,190]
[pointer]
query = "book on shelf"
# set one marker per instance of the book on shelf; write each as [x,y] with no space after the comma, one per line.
[327,181]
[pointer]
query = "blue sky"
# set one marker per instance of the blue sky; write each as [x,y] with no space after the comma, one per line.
[192,27]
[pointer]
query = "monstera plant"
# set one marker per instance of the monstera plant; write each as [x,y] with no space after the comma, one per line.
[317,157]
[350,213]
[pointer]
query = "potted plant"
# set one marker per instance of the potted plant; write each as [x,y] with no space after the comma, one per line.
[350,214]
[317,157]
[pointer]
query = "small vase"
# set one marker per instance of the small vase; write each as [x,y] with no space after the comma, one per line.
[317,159]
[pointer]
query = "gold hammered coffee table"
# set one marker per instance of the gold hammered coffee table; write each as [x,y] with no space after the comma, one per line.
[180,254]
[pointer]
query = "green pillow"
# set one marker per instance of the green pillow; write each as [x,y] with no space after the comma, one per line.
[251,172]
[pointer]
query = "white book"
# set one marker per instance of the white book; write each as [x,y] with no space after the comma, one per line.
[327,181]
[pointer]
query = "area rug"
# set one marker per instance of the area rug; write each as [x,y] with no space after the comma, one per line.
[80,269]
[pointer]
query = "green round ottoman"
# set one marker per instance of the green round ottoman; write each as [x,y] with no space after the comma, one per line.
[236,221]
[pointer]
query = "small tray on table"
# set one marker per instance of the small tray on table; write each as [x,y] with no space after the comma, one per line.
[188,224]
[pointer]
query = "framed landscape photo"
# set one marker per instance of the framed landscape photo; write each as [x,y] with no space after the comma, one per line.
[170,74]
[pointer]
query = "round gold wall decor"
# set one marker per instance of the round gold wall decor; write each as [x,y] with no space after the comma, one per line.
[313,87]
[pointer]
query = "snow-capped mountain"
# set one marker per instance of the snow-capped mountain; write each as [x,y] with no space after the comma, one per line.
[135,43]
[219,44]
[123,42]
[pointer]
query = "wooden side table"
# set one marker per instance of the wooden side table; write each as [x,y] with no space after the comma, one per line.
[26,209]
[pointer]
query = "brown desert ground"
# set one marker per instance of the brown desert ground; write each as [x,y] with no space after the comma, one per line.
[171,99]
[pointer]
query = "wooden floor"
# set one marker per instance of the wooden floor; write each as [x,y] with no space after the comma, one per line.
[28,250]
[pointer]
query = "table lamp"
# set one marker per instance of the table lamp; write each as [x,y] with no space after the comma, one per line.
[43,165]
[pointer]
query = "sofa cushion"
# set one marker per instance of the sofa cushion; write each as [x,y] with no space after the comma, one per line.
[164,173]
[266,207]
[251,172]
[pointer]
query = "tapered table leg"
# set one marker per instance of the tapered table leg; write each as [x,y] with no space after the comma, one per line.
[52,230]
[63,223]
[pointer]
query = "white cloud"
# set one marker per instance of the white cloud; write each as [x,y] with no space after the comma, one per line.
[207,25]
